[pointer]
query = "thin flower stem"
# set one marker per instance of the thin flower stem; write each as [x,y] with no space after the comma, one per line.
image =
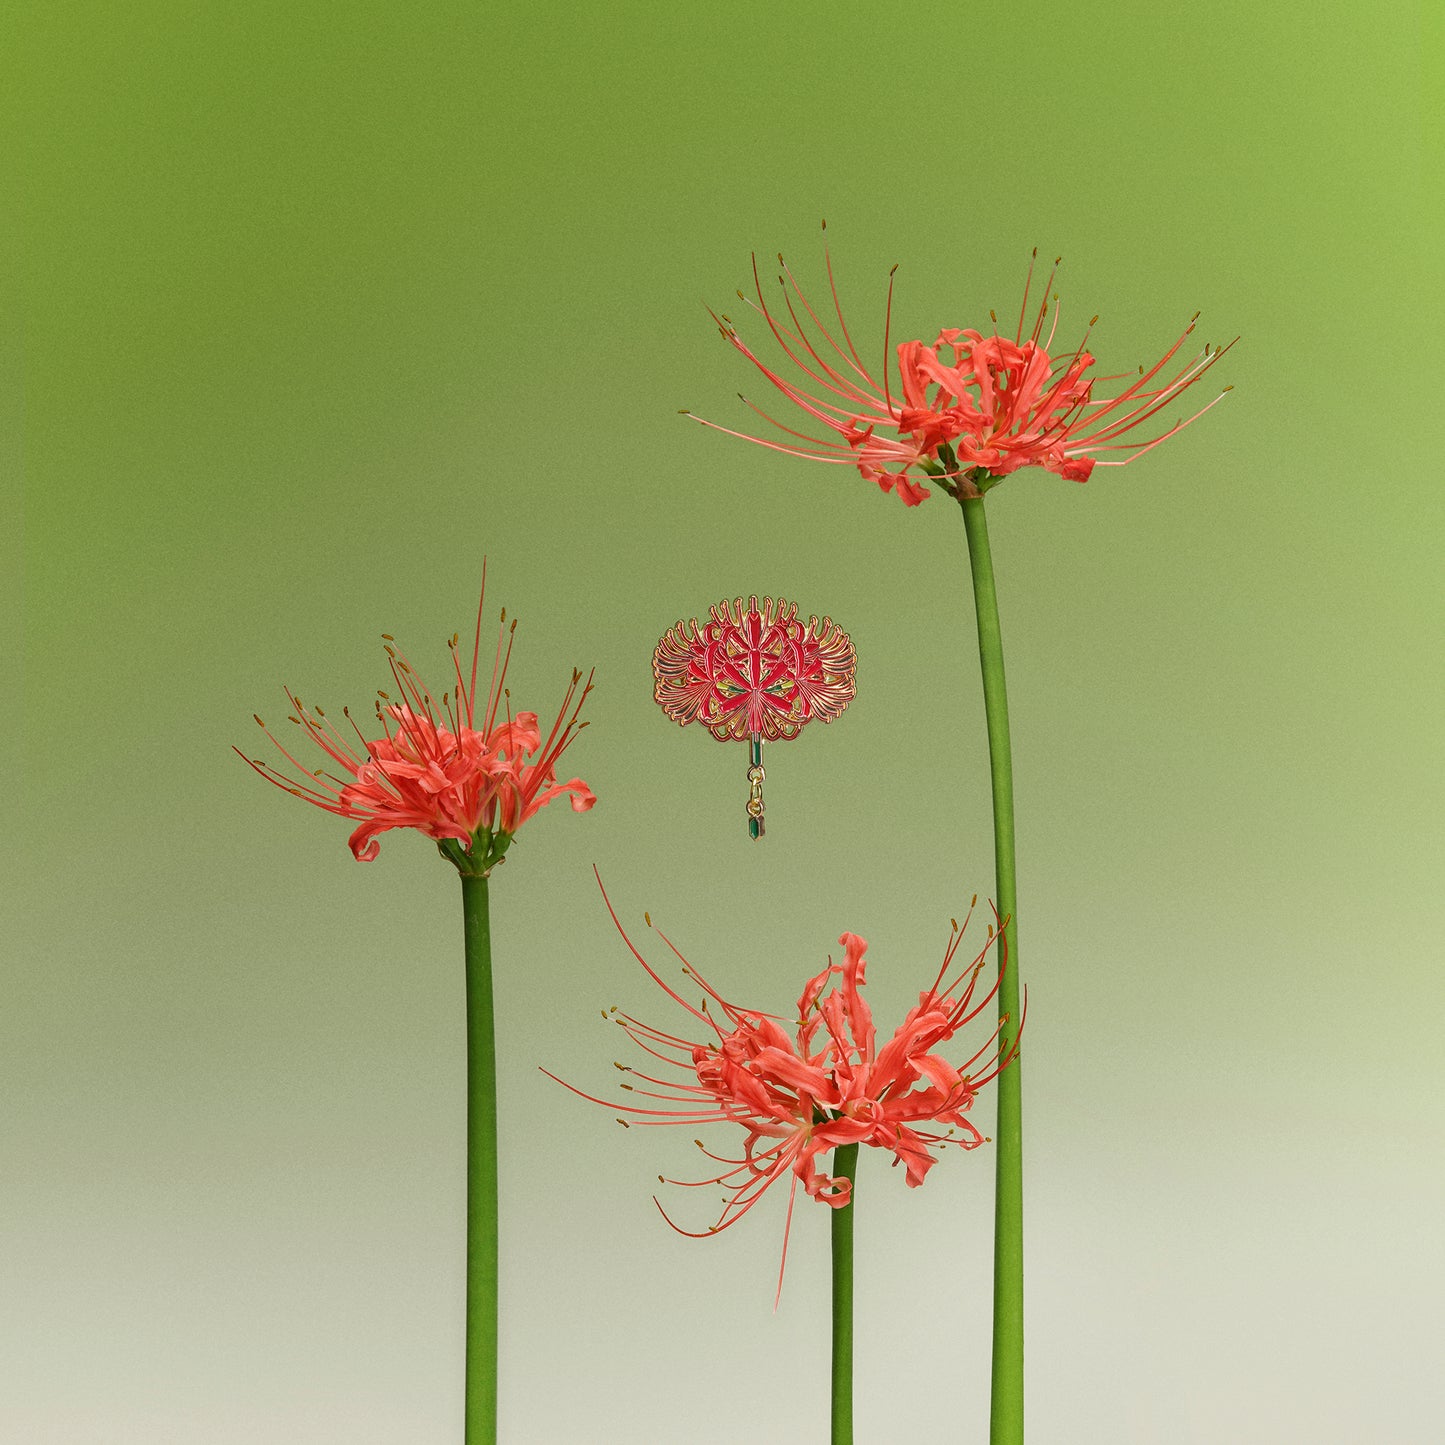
[845,1166]
[1006,1409]
[481,1390]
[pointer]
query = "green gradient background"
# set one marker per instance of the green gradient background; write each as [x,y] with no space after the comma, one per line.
[315,304]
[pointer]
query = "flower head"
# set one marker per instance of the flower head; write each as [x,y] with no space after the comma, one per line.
[468,781]
[966,410]
[828,1083]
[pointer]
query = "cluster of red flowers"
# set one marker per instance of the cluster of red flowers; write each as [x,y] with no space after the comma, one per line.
[827,1086]
[439,768]
[970,408]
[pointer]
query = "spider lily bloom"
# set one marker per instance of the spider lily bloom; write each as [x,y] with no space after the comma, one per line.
[966,410]
[469,779]
[469,783]
[826,1087]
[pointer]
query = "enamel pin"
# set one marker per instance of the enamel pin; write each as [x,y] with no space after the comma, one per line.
[754,674]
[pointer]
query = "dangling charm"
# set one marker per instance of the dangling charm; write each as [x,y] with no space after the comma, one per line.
[754,674]
[756,774]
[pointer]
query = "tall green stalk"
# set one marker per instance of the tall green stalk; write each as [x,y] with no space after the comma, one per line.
[1006,1408]
[481,1407]
[845,1166]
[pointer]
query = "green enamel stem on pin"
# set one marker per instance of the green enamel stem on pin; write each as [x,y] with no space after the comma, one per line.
[845,1164]
[481,1389]
[755,760]
[1006,1412]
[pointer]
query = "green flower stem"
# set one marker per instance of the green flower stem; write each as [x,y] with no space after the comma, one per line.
[481,1167]
[845,1166]
[1006,1410]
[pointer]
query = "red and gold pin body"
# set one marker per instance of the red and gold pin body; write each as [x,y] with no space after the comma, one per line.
[756,674]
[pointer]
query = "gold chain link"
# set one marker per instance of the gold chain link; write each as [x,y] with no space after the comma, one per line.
[756,774]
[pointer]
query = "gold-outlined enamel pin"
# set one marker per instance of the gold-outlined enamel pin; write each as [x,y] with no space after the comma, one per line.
[754,674]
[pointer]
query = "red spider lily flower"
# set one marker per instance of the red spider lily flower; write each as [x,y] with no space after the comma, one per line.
[968,409]
[468,783]
[829,1085]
